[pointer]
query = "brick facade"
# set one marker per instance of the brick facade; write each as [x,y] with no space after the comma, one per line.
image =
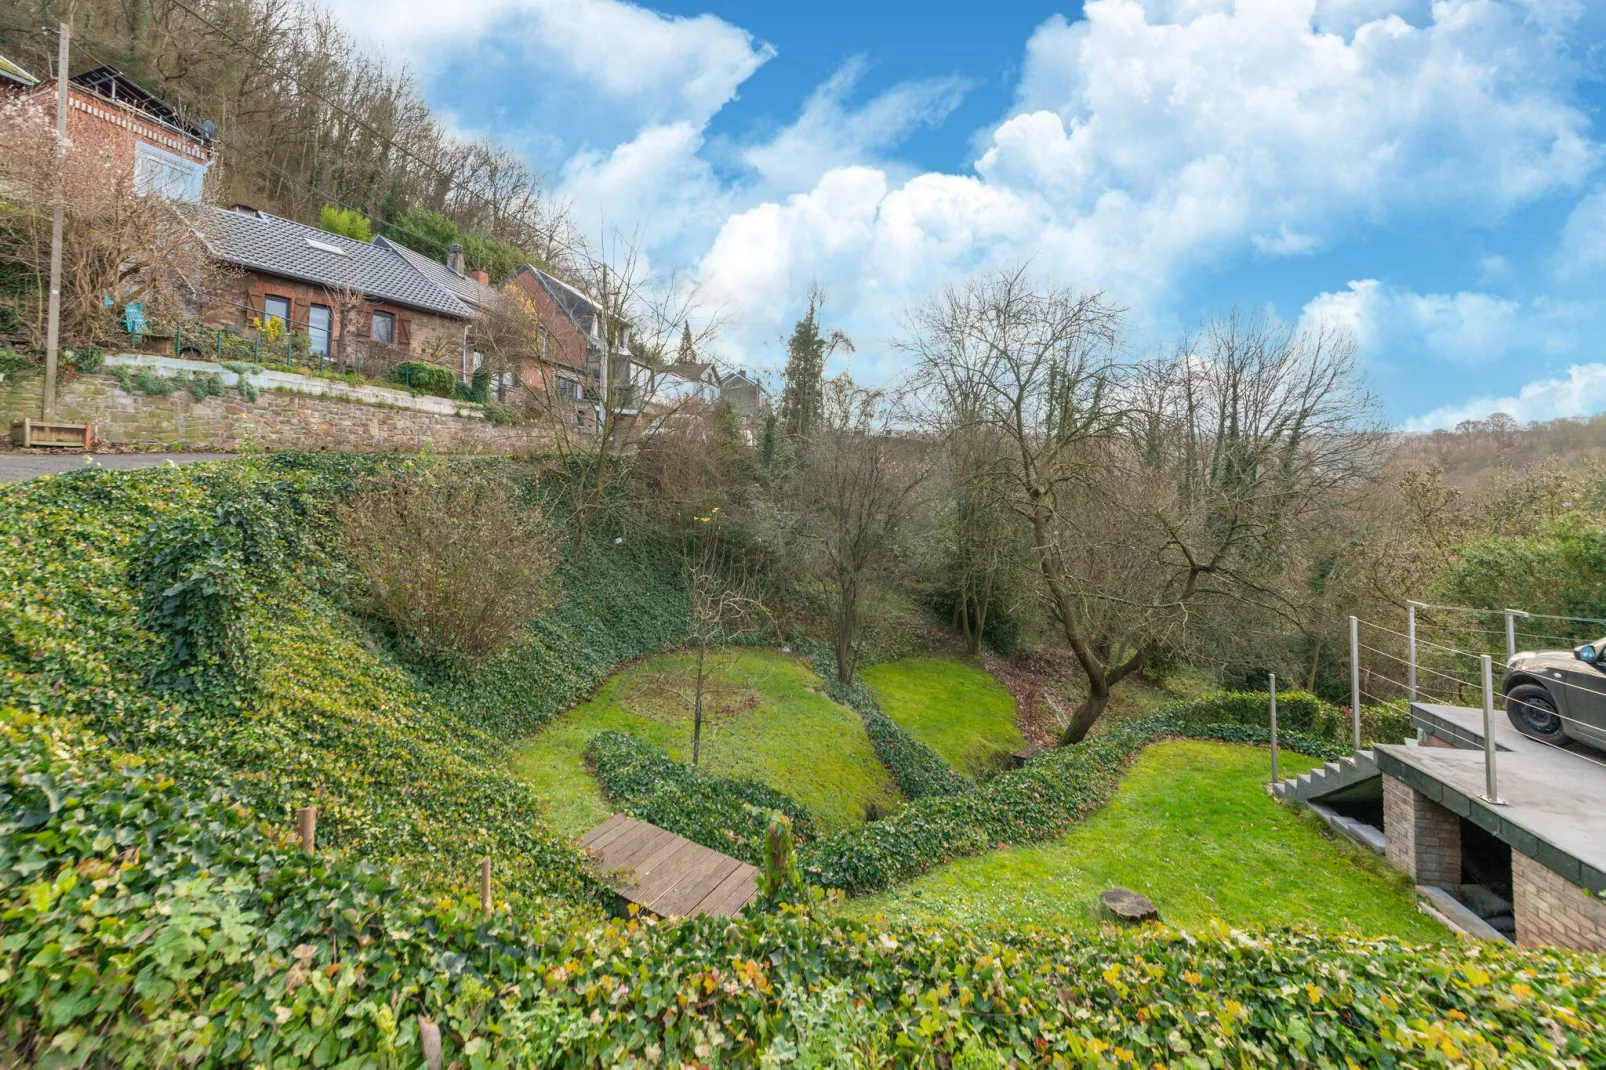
[235,298]
[564,345]
[1553,911]
[277,420]
[97,123]
[1422,838]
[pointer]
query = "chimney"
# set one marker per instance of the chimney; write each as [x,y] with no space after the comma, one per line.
[481,276]
[454,259]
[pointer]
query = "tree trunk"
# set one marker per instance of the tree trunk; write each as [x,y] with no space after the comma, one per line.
[697,711]
[1085,716]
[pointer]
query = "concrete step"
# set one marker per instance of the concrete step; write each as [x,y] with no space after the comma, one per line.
[1367,836]
[1331,777]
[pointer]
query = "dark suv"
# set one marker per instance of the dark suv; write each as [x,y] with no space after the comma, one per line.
[1557,695]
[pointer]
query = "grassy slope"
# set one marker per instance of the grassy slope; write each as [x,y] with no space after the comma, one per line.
[953,707]
[770,722]
[1192,829]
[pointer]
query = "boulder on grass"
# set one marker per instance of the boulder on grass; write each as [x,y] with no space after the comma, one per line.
[1127,907]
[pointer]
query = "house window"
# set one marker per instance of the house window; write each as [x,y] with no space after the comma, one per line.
[383,327]
[276,308]
[319,324]
[166,174]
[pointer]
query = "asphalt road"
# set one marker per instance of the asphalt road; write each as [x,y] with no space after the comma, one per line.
[15,467]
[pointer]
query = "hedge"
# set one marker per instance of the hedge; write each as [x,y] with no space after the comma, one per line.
[1037,802]
[1297,711]
[146,926]
[918,770]
[426,378]
[729,814]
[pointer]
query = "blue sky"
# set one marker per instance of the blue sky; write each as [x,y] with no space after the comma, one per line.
[1428,177]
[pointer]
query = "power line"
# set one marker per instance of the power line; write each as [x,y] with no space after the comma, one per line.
[264,161]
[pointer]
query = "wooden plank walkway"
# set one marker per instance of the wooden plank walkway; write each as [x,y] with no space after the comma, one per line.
[669,874]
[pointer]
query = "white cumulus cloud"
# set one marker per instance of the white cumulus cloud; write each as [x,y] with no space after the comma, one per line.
[1581,392]
[1151,141]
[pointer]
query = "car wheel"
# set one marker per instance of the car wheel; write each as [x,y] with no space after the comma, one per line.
[1533,712]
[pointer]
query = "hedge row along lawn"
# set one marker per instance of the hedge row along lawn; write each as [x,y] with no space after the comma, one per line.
[1297,711]
[729,814]
[919,770]
[1193,829]
[147,926]
[954,707]
[766,718]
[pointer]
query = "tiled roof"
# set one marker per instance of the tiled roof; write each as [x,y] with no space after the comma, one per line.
[267,243]
[577,306]
[13,73]
[472,291]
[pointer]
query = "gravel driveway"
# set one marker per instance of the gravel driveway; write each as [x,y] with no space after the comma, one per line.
[15,467]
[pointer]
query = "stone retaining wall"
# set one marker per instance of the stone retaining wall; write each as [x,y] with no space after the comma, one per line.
[279,419]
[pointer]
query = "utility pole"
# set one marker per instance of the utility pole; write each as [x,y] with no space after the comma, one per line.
[53,325]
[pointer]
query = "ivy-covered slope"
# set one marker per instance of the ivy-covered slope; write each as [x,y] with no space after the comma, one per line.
[144,925]
[195,615]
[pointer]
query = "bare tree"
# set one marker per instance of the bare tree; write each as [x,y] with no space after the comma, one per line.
[1157,495]
[722,608]
[860,485]
[118,247]
[638,317]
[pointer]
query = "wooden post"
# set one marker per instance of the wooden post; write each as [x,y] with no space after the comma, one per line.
[485,887]
[429,1039]
[307,828]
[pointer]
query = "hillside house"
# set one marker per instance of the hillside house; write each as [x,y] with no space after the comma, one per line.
[163,151]
[575,358]
[382,305]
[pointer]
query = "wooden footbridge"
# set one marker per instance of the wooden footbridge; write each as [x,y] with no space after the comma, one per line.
[669,874]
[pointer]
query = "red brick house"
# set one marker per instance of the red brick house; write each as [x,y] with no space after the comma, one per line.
[164,152]
[573,361]
[377,300]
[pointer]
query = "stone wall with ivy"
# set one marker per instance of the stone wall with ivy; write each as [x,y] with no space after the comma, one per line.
[210,412]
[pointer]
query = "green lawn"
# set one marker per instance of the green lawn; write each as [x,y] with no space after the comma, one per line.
[954,707]
[1193,829]
[769,719]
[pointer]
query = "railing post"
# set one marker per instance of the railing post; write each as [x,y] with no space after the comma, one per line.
[1355,677]
[1511,632]
[1410,642]
[1490,794]
[1273,689]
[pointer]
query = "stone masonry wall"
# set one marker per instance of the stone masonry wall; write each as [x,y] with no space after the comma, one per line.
[277,420]
[1553,911]
[1421,837]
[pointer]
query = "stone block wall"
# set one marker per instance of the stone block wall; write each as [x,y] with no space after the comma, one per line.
[1553,911]
[1421,837]
[277,420]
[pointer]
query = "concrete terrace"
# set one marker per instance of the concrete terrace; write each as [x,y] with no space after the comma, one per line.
[1554,800]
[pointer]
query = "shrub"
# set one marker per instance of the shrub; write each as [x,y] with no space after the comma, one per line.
[1037,802]
[918,770]
[426,378]
[1297,712]
[729,814]
[87,359]
[503,415]
[480,387]
[12,361]
[779,881]
[452,565]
